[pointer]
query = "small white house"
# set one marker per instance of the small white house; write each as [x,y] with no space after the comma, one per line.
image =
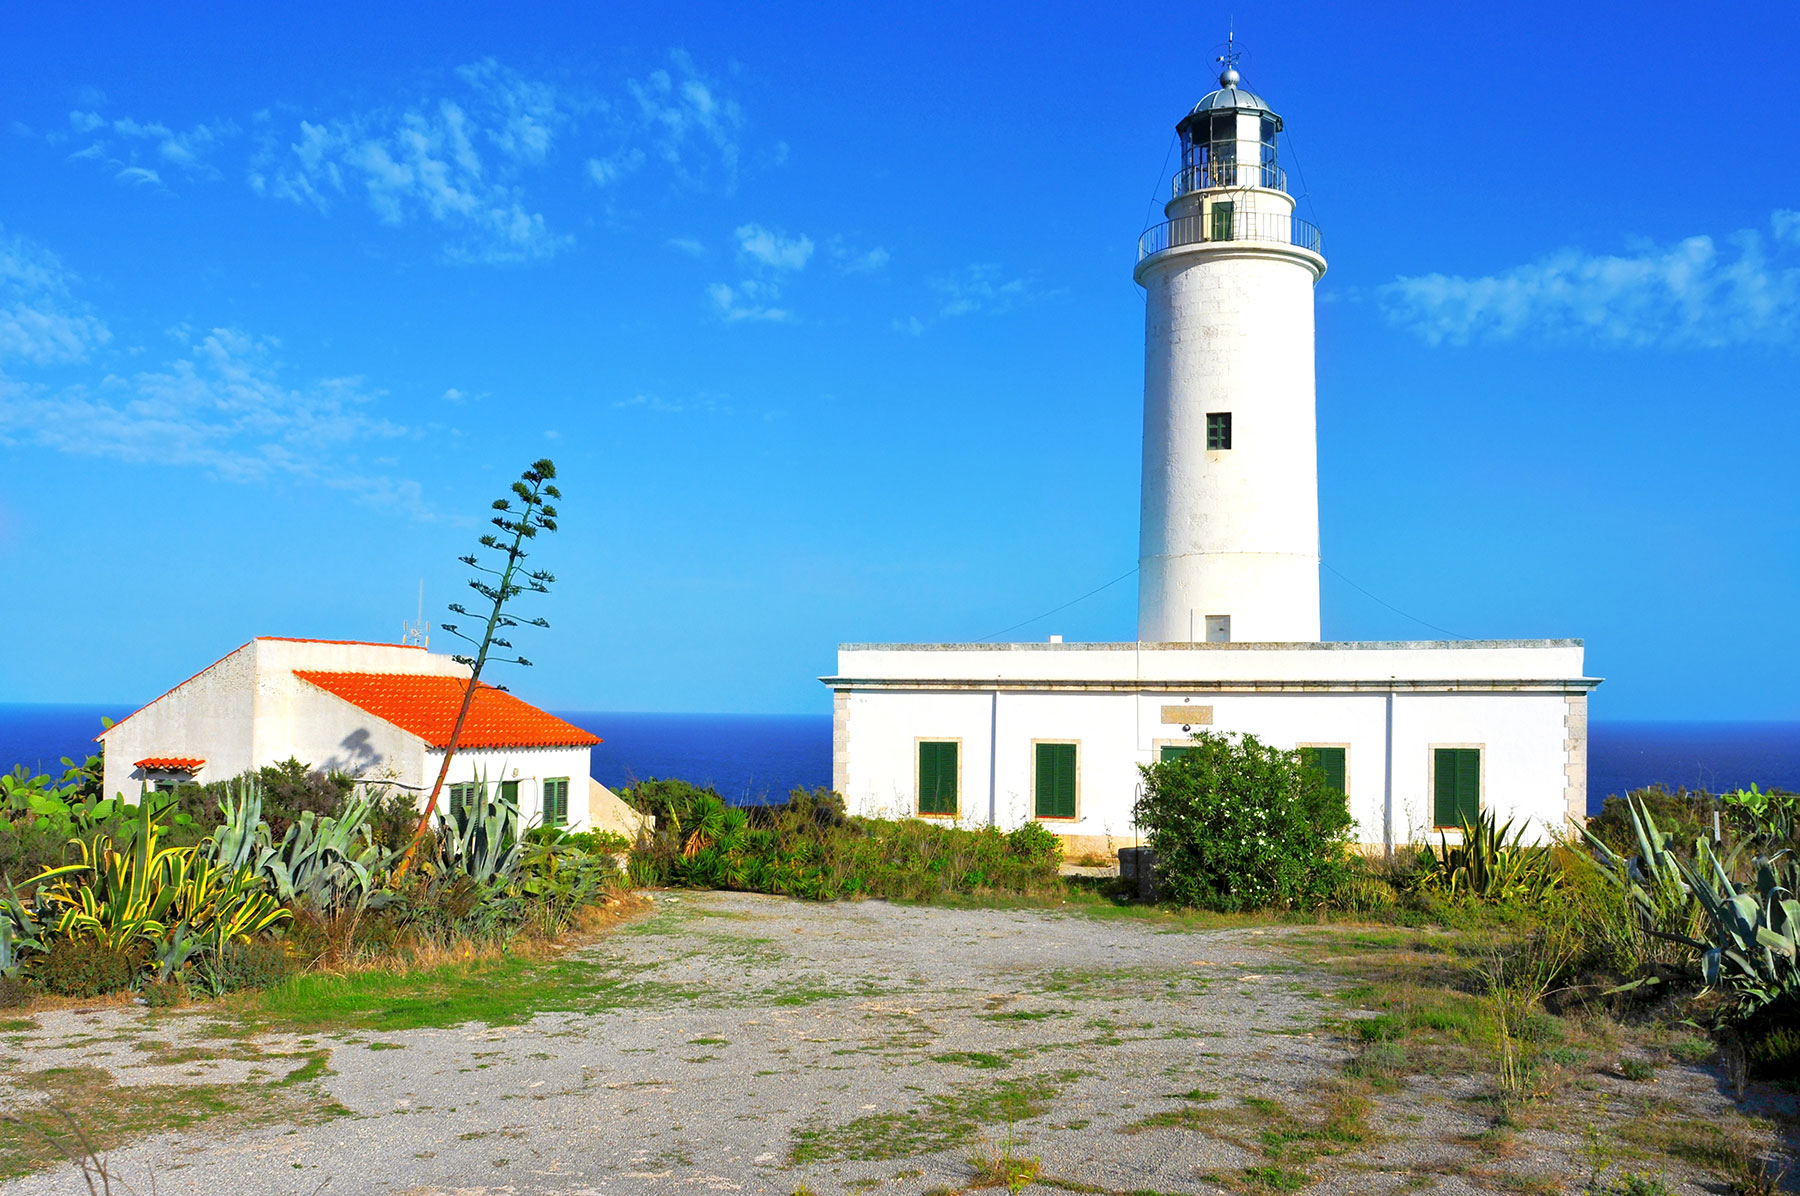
[377,712]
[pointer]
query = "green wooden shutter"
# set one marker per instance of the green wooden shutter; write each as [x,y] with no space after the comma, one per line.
[509,792]
[556,801]
[1174,751]
[937,777]
[1221,220]
[1055,787]
[1457,789]
[1330,762]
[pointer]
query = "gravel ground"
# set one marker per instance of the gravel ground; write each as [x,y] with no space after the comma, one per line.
[847,1047]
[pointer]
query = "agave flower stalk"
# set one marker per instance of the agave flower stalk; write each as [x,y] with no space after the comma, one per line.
[534,489]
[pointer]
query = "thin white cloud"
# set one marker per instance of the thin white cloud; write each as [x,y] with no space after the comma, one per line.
[1691,294]
[41,321]
[751,300]
[223,407]
[139,151]
[691,246]
[982,288]
[866,262]
[692,126]
[454,160]
[776,250]
[614,167]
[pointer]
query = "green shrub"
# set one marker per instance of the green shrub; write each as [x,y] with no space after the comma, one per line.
[1237,824]
[1033,843]
[81,966]
[252,963]
[290,789]
[808,848]
[14,990]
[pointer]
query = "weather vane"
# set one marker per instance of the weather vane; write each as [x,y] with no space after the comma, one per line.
[1229,59]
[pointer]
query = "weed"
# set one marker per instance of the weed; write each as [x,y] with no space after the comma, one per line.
[1640,1070]
[976,1059]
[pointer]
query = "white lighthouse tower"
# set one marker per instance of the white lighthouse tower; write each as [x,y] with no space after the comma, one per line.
[1229,538]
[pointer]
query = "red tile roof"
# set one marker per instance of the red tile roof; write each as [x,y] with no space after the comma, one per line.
[426,706]
[172,763]
[300,639]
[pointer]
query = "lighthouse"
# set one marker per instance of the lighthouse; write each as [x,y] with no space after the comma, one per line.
[1229,531]
[1419,736]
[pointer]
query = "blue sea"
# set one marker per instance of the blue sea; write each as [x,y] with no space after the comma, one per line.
[760,757]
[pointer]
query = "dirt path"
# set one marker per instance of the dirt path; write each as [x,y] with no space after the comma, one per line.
[761,1044]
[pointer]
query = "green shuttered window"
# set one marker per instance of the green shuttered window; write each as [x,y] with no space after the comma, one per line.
[1457,786]
[1329,761]
[1055,780]
[1174,751]
[937,776]
[464,797]
[556,801]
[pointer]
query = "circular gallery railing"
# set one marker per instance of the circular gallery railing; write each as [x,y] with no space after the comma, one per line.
[1221,224]
[1209,175]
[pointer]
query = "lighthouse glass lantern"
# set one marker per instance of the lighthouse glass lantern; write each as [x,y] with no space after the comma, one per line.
[1230,126]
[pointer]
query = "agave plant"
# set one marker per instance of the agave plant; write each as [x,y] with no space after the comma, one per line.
[171,898]
[1652,878]
[482,842]
[1756,926]
[329,862]
[1492,863]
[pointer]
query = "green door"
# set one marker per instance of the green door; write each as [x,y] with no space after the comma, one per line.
[1222,220]
[1457,787]
[1055,780]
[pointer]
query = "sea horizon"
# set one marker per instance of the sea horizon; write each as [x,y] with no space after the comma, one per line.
[755,758]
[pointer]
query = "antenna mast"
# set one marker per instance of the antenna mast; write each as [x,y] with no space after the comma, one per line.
[419,633]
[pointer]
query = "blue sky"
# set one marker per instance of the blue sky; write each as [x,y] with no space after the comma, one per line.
[825,313]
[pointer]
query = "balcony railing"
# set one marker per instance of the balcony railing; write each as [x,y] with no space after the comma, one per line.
[1278,227]
[1209,175]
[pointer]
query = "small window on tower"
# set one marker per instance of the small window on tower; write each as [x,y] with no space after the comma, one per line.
[1218,429]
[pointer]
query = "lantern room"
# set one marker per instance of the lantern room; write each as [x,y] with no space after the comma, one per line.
[1228,140]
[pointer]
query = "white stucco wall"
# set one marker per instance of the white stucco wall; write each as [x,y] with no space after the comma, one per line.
[1509,699]
[208,716]
[530,767]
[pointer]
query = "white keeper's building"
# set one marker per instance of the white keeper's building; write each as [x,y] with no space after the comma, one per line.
[1228,601]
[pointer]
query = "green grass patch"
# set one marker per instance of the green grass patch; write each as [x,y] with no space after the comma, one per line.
[85,1102]
[10,1025]
[943,1122]
[980,1060]
[503,991]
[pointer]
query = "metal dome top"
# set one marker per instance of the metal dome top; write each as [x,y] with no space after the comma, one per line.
[1231,98]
